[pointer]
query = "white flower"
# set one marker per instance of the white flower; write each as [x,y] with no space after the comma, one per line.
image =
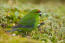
[14,34]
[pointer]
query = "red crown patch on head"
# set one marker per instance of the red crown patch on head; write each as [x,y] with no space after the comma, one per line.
[38,10]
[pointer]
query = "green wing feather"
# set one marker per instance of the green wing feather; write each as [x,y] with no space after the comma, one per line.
[30,20]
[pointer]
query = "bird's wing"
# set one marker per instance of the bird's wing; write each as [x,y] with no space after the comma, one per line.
[28,20]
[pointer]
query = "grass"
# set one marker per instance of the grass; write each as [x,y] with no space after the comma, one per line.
[52,32]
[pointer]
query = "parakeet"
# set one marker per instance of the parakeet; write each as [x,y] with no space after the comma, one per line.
[29,22]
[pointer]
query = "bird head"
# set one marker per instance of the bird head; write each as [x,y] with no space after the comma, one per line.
[37,11]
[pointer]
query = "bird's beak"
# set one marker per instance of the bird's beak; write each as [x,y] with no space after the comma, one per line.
[40,14]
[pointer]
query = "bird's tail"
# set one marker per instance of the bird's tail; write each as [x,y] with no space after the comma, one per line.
[12,30]
[15,27]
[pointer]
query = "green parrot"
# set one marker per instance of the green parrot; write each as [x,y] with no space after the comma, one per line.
[29,22]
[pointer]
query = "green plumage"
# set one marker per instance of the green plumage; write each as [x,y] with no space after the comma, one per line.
[30,21]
